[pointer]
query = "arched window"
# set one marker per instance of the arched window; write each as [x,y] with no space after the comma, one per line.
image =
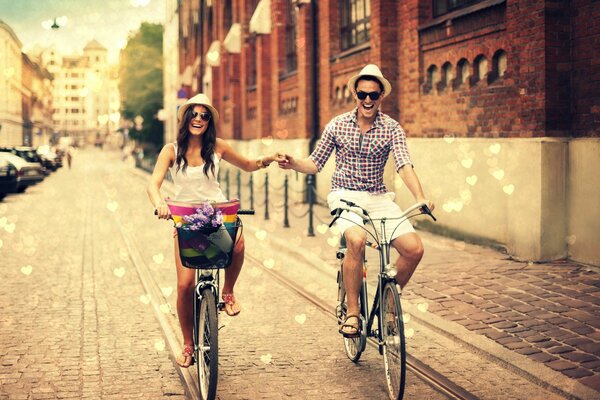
[447,76]
[499,65]
[462,72]
[480,68]
[432,78]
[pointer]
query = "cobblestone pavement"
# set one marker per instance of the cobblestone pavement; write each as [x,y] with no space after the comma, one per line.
[79,323]
[71,324]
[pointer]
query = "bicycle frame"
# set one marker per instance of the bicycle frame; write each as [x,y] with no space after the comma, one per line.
[383,250]
[382,246]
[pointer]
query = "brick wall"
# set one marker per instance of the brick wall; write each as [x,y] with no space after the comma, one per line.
[530,65]
[586,67]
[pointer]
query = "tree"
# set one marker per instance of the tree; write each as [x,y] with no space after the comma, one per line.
[141,83]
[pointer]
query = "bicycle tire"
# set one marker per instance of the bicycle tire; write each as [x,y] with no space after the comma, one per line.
[394,346]
[353,347]
[207,345]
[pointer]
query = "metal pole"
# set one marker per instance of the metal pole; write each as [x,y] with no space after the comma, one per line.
[239,190]
[286,221]
[266,196]
[311,200]
[227,183]
[251,192]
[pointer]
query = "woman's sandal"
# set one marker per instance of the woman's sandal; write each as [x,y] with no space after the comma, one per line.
[355,326]
[232,307]
[187,356]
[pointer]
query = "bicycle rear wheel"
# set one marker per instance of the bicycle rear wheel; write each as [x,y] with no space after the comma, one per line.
[394,347]
[207,345]
[353,347]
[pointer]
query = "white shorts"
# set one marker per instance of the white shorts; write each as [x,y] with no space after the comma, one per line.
[377,205]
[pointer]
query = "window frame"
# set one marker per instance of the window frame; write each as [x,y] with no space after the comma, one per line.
[354,31]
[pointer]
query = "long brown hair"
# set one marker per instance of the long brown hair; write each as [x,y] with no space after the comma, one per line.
[208,142]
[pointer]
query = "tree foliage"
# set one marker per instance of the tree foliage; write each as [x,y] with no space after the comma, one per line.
[141,82]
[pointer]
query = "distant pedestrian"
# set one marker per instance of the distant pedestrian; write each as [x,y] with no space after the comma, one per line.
[363,139]
[69,154]
[193,161]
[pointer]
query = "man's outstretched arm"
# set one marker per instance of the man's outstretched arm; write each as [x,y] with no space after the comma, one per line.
[304,165]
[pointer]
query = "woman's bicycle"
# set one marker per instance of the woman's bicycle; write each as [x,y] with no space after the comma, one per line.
[388,331]
[207,250]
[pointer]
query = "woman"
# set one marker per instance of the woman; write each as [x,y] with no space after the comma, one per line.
[194,163]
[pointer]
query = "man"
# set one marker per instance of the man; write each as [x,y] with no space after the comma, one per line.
[363,139]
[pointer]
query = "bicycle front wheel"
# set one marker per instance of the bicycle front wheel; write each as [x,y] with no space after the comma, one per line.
[353,347]
[394,347]
[207,345]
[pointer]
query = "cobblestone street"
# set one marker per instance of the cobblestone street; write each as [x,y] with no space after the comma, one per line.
[78,322]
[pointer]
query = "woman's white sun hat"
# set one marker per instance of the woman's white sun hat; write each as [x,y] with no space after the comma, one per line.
[374,71]
[199,99]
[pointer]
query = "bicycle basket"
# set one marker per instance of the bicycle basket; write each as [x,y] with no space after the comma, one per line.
[207,248]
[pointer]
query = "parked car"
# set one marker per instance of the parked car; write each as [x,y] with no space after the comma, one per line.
[27,153]
[28,173]
[51,159]
[8,178]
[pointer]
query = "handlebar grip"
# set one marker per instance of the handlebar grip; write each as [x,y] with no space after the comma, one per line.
[155,211]
[424,209]
[245,212]
[333,221]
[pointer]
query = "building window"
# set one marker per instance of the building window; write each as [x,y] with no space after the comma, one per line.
[499,65]
[251,80]
[291,54]
[462,72]
[432,79]
[480,68]
[355,22]
[447,76]
[445,6]
[227,15]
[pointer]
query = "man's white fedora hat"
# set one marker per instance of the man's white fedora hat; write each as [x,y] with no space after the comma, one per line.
[199,99]
[374,71]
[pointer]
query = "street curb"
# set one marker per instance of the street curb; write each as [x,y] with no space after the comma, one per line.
[518,363]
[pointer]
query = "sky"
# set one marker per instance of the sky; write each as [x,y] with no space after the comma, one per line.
[108,21]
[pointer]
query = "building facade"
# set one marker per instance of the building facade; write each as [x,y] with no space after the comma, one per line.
[499,99]
[37,104]
[85,94]
[11,87]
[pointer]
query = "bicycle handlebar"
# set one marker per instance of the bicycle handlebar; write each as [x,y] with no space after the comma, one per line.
[352,207]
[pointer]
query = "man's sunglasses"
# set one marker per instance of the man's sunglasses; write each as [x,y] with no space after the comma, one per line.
[204,116]
[363,95]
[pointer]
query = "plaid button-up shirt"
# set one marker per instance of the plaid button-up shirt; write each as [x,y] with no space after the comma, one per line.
[359,162]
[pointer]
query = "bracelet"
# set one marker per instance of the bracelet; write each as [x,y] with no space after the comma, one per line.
[260,164]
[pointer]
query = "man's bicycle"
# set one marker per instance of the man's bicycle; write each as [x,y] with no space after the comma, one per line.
[207,250]
[388,331]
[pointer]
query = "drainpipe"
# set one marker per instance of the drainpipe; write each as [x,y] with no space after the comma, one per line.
[314,137]
[315,76]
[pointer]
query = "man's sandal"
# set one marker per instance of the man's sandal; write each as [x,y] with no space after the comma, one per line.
[231,306]
[187,356]
[355,326]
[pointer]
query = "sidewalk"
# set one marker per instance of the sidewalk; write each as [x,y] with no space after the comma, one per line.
[542,319]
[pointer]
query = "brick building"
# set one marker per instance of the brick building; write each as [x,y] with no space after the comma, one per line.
[499,99]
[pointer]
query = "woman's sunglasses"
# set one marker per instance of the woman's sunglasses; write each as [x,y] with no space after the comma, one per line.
[204,116]
[363,95]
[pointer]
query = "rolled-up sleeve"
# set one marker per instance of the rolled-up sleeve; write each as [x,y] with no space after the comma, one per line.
[399,148]
[324,148]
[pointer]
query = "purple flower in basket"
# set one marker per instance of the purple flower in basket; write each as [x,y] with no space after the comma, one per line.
[205,217]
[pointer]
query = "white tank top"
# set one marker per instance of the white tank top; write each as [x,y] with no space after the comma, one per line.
[193,186]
